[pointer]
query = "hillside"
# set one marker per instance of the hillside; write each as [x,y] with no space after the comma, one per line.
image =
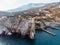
[51,10]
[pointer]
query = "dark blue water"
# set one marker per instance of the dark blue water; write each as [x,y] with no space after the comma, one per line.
[41,38]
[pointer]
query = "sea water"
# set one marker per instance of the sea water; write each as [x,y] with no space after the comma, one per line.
[41,38]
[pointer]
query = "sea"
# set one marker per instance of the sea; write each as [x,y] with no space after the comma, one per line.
[41,38]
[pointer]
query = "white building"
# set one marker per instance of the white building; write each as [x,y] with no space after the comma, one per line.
[49,15]
[59,6]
